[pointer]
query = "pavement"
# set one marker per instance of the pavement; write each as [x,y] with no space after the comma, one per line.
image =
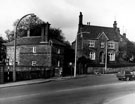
[128,99]
[36,81]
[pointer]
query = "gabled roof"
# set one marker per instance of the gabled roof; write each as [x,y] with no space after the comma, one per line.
[95,31]
[101,35]
[33,40]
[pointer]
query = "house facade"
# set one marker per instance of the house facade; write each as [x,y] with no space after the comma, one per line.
[100,44]
[37,53]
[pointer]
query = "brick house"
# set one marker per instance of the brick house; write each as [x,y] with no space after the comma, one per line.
[37,52]
[93,42]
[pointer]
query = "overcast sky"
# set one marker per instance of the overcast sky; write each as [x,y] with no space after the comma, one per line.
[64,14]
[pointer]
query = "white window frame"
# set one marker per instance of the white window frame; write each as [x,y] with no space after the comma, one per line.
[58,63]
[34,49]
[34,63]
[111,45]
[58,51]
[92,43]
[102,45]
[111,56]
[92,55]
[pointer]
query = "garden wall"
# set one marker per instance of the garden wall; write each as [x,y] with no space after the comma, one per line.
[109,70]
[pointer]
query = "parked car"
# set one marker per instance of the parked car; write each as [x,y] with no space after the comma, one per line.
[126,75]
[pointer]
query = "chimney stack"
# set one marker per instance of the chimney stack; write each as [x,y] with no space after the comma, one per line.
[80,19]
[115,25]
[124,34]
[47,31]
[88,23]
[44,32]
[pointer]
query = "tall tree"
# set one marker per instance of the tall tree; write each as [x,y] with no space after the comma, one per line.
[2,50]
[33,23]
[55,33]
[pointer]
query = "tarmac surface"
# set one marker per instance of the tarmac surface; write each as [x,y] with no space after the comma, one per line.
[36,81]
[85,88]
[127,99]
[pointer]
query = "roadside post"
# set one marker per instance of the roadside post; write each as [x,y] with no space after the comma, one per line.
[1,73]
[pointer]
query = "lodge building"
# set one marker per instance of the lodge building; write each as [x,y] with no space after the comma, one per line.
[37,53]
[93,42]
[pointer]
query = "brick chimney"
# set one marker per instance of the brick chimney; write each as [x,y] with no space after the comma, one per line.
[124,34]
[115,25]
[80,21]
[44,32]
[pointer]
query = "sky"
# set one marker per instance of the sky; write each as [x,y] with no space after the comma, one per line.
[64,14]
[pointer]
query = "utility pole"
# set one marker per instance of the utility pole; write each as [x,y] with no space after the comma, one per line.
[75,57]
[105,57]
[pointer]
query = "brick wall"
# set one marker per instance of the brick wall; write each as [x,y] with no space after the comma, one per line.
[10,54]
[25,55]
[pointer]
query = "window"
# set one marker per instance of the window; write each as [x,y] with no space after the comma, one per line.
[111,56]
[92,43]
[58,51]
[111,45]
[34,63]
[102,45]
[58,63]
[34,49]
[92,55]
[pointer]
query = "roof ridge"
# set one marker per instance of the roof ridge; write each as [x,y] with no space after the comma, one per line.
[98,26]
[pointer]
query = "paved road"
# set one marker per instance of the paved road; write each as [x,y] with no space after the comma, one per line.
[86,90]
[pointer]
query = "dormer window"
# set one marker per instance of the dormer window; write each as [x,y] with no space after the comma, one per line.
[91,43]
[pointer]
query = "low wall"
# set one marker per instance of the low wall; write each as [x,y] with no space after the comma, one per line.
[27,72]
[109,70]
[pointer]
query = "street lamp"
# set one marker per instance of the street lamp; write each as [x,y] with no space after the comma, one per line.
[15,34]
[70,64]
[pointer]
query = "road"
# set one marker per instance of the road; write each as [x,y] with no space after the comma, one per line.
[86,90]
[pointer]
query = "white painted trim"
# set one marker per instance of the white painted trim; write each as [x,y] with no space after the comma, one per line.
[101,35]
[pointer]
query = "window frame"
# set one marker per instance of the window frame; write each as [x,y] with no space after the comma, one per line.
[111,45]
[58,51]
[102,45]
[111,56]
[91,43]
[92,55]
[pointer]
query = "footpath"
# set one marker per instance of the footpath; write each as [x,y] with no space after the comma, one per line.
[127,99]
[36,81]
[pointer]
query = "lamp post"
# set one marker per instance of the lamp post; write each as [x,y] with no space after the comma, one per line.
[15,34]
